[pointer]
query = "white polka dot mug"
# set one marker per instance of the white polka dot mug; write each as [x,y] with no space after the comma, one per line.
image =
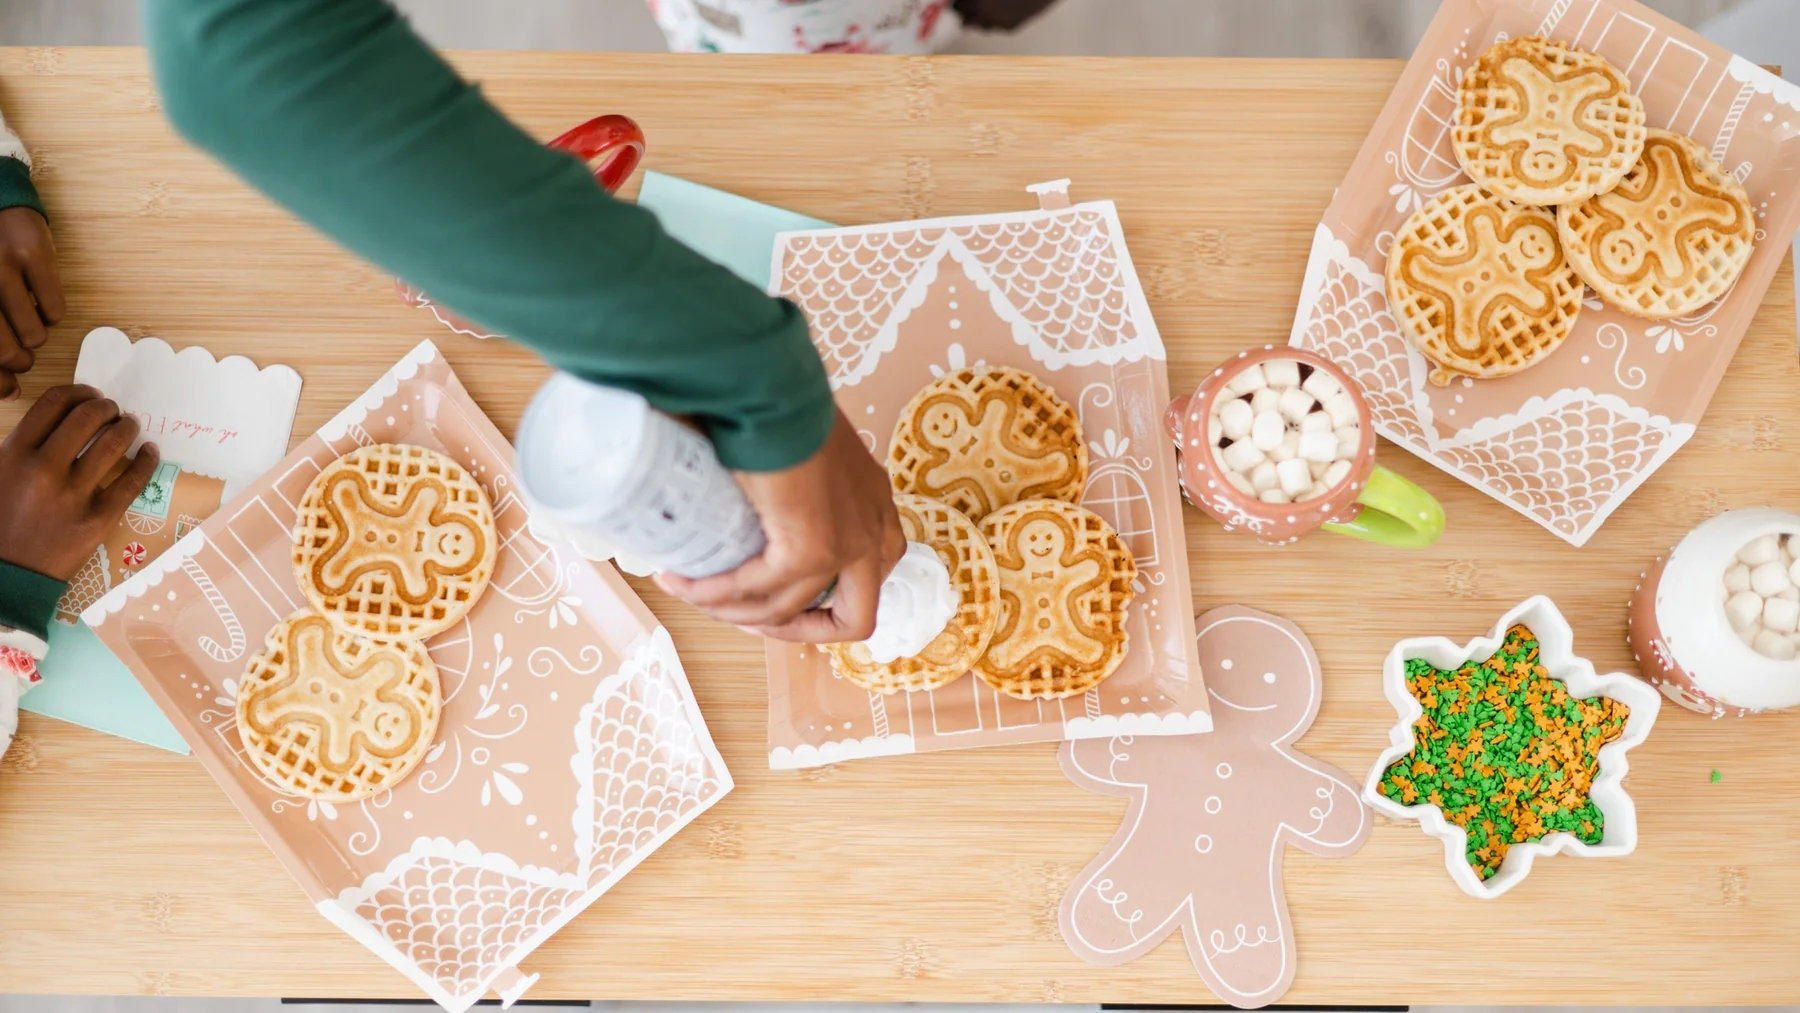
[1278,442]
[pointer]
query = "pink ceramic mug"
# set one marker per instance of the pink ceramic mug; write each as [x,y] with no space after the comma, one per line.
[1365,501]
[611,145]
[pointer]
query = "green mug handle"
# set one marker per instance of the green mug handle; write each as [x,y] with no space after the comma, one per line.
[1394,512]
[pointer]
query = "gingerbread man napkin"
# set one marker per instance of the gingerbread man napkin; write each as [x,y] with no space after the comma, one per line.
[1201,843]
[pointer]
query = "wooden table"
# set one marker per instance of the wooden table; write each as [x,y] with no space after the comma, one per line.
[930,877]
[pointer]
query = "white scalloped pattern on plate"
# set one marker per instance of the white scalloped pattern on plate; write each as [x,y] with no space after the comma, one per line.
[1192,723]
[870,279]
[151,575]
[1565,461]
[646,769]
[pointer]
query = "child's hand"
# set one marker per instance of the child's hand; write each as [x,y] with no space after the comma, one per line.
[31,296]
[56,502]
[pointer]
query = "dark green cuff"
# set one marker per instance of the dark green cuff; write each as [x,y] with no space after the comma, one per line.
[16,190]
[28,599]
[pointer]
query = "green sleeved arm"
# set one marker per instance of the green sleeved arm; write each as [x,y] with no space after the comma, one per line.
[28,599]
[339,112]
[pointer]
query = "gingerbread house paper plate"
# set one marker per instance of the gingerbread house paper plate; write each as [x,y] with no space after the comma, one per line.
[570,746]
[1566,441]
[1053,292]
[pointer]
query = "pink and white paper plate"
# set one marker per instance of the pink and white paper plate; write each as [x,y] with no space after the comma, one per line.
[1567,441]
[1051,291]
[570,746]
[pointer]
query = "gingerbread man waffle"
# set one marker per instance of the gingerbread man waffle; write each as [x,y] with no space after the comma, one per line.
[394,541]
[985,437]
[1065,584]
[1671,238]
[327,715]
[1201,844]
[1480,284]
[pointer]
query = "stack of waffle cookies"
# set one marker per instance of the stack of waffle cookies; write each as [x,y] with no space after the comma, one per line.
[1570,189]
[394,544]
[988,464]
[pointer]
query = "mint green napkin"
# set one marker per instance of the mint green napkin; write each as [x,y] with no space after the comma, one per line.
[734,231]
[84,684]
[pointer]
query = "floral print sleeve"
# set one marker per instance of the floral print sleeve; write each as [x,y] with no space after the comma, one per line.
[806,26]
[18,672]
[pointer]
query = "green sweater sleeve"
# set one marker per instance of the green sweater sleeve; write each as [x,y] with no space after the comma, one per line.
[28,599]
[336,110]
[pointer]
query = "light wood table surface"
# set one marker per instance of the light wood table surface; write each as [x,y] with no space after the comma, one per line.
[125,870]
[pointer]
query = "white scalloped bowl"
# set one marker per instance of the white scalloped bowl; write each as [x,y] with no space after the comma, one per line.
[1556,653]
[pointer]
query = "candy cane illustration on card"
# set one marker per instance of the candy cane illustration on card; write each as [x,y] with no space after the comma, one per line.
[1201,844]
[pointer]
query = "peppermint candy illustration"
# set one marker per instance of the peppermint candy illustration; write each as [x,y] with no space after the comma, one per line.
[134,553]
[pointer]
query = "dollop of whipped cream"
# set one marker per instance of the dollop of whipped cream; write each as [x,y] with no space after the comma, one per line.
[916,604]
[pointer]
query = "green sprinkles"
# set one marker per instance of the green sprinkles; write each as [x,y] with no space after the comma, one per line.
[1504,751]
[1717,777]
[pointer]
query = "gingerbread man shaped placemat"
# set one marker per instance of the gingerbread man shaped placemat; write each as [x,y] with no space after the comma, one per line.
[1209,816]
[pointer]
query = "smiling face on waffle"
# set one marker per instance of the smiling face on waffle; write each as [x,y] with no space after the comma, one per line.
[981,438]
[1065,586]
[394,541]
[1670,238]
[1540,123]
[332,716]
[1480,284]
[976,584]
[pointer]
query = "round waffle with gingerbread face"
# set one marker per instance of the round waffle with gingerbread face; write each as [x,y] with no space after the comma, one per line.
[1540,123]
[1670,238]
[1480,284]
[983,437]
[332,716]
[1065,586]
[976,581]
[394,541]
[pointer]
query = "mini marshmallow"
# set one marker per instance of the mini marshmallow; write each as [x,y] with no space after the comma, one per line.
[1320,447]
[1294,477]
[1267,430]
[1277,496]
[1240,483]
[1342,409]
[1289,449]
[1322,385]
[1247,380]
[1743,609]
[1748,635]
[1264,400]
[1282,373]
[1241,456]
[1794,572]
[1215,431]
[1263,478]
[1349,441]
[1335,474]
[1774,645]
[1236,417]
[1295,404]
[1781,615]
[1316,422]
[1737,578]
[1318,489]
[1317,468]
[1759,551]
[1791,594]
[1769,579]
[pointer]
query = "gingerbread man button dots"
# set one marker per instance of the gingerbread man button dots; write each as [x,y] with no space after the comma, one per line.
[1201,843]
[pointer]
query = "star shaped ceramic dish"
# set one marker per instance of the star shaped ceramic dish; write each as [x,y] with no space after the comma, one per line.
[1556,646]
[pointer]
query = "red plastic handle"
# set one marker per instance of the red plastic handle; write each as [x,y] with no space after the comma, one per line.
[612,146]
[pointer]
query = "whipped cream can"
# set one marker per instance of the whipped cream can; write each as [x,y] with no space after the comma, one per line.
[603,469]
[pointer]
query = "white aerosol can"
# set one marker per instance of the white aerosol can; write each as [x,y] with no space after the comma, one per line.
[619,479]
